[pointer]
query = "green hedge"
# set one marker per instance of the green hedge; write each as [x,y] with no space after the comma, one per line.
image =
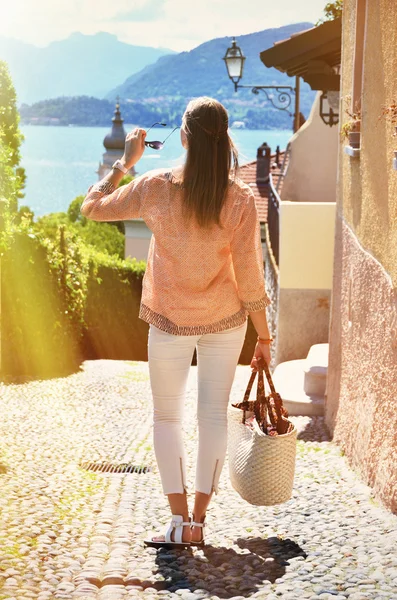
[55,297]
[112,327]
[38,336]
[63,303]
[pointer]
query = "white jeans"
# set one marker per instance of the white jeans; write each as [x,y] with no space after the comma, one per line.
[170,357]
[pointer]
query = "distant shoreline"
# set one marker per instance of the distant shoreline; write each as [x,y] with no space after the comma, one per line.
[61,162]
[46,124]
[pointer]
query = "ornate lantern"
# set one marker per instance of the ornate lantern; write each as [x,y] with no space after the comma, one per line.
[234,60]
[329,108]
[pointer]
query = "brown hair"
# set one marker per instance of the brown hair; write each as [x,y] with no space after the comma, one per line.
[211,159]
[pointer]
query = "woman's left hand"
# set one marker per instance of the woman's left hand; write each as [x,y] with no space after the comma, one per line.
[262,351]
[134,147]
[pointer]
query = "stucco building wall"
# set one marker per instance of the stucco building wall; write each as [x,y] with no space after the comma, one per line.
[305,279]
[137,239]
[361,397]
[369,184]
[311,170]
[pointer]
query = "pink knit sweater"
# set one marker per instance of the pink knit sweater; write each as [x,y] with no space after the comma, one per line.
[196,281]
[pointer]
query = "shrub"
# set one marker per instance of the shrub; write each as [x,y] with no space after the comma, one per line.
[74,214]
[112,327]
[63,302]
[104,237]
[40,333]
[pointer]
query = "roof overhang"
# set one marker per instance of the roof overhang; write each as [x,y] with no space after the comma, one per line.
[313,54]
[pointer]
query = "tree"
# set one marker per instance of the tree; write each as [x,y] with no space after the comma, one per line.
[9,117]
[25,212]
[8,193]
[8,178]
[11,137]
[332,11]
[74,213]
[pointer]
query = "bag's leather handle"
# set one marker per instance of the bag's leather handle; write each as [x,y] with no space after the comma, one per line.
[262,365]
[256,407]
[281,422]
[260,404]
[276,411]
[249,386]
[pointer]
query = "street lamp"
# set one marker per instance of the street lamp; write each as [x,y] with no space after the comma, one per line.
[234,60]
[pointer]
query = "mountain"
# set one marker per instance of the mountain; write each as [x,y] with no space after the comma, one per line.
[161,90]
[85,111]
[89,111]
[172,80]
[79,65]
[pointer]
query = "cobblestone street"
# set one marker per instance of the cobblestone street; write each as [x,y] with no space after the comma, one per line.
[69,532]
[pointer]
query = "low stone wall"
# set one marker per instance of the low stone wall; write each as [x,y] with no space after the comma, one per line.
[271,281]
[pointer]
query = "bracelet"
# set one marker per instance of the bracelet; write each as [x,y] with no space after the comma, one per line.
[263,341]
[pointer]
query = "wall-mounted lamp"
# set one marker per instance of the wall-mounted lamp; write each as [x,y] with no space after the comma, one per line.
[329,108]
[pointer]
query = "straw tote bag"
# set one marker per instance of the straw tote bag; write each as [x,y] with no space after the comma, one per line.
[261,445]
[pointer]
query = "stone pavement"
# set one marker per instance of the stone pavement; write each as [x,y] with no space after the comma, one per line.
[68,532]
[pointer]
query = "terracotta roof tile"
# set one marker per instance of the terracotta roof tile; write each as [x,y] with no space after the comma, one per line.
[248,175]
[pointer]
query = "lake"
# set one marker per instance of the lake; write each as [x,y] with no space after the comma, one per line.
[61,162]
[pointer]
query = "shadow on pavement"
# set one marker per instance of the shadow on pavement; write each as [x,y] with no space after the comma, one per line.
[224,572]
[315,430]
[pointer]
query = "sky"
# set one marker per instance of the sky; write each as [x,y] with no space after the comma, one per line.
[175,24]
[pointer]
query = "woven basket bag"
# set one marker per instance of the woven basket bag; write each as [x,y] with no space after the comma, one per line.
[261,455]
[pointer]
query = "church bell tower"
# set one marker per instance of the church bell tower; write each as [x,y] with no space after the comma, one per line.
[114,144]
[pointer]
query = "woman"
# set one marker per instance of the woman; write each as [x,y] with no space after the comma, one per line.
[204,276]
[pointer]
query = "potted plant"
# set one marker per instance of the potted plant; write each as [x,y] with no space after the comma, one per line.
[389,113]
[351,129]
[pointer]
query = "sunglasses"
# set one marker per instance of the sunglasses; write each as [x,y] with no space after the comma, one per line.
[156,145]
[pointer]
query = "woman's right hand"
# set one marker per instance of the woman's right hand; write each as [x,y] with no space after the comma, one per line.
[134,147]
[261,351]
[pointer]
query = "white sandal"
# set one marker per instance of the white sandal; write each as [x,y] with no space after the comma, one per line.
[202,525]
[177,523]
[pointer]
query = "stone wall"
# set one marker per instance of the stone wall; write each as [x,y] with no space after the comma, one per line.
[361,396]
[361,402]
[271,281]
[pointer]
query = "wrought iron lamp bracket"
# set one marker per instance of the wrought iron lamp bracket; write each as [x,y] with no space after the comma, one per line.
[283,92]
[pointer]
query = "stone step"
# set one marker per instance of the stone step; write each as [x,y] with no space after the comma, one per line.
[315,370]
[288,379]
